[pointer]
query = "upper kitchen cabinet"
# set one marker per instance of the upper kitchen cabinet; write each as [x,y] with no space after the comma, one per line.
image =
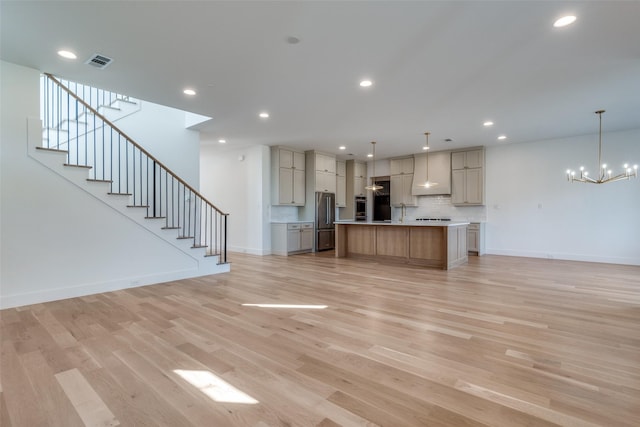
[467,177]
[321,171]
[439,172]
[287,177]
[402,166]
[402,182]
[341,184]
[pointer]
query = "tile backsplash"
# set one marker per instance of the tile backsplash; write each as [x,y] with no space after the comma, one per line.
[283,213]
[441,207]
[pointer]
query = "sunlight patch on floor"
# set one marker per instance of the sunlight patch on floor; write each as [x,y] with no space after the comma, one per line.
[215,387]
[306,306]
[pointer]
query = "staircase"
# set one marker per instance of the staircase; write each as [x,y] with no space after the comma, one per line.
[78,140]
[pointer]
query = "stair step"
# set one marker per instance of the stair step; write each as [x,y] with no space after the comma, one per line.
[171,228]
[198,246]
[120,194]
[184,237]
[138,206]
[78,166]
[100,180]
[54,150]
[155,217]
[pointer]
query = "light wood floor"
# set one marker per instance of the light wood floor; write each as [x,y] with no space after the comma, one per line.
[498,342]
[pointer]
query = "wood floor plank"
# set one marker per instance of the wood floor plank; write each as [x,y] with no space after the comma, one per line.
[500,341]
[5,421]
[18,393]
[50,395]
[88,404]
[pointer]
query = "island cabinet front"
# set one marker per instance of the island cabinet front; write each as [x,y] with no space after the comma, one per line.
[436,246]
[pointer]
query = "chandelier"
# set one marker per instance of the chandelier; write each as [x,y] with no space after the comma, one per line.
[606,175]
[427,184]
[373,186]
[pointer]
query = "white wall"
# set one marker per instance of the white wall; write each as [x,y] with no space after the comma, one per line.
[81,246]
[242,189]
[161,131]
[533,211]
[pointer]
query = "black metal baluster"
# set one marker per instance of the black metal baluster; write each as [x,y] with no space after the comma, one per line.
[139,173]
[180,203]
[225,238]
[190,203]
[166,198]
[147,174]
[47,109]
[154,188]
[126,171]
[94,143]
[207,242]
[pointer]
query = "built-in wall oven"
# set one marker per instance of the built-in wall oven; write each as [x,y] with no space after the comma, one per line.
[361,208]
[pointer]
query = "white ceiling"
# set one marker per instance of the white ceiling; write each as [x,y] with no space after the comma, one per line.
[438,66]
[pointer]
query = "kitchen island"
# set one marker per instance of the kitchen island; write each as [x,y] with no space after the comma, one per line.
[437,244]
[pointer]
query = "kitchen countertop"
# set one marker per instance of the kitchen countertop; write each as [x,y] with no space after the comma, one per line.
[291,222]
[408,223]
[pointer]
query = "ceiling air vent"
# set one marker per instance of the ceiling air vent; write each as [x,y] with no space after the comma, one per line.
[99,61]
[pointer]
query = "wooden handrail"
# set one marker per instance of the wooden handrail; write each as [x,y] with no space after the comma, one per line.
[135,144]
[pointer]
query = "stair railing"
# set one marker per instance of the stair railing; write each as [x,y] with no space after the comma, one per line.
[71,124]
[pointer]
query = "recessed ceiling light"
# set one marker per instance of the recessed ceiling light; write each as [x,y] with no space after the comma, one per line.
[366,83]
[189,92]
[501,137]
[370,155]
[67,54]
[564,21]
[342,147]
[425,148]
[264,115]
[488,123]
[222,141]
[293,40]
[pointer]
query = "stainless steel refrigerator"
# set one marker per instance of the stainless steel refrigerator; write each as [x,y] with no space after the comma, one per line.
[325,216]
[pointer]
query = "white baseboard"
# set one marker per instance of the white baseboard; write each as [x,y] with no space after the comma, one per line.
[564,256]
[250,251]
[18,300]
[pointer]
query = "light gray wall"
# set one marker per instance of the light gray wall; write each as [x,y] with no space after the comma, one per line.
[58,241]
[238,182]
[533,211]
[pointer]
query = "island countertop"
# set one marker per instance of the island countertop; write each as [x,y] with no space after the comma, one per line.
[440,244]
[407,223]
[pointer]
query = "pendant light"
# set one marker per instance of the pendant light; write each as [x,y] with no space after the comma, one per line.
[427,184]
[606,175]
[373,186]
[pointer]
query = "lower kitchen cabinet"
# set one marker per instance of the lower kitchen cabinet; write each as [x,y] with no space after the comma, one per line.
[291,238]
[475,238]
